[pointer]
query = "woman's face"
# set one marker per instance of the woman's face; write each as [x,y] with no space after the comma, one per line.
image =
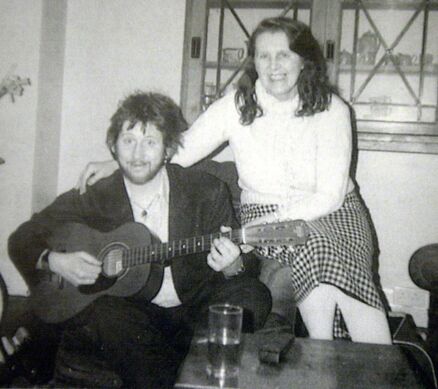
[277,66]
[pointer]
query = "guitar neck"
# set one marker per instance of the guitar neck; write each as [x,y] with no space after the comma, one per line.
[159,253]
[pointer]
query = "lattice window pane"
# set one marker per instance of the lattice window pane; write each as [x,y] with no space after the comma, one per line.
[389,60]
[227,37]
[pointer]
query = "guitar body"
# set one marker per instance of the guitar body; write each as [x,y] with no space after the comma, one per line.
[130,262]
[55,300]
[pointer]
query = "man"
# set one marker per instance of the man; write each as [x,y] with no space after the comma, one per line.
[145,337]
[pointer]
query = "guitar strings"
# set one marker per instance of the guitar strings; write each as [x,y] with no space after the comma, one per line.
[135,255]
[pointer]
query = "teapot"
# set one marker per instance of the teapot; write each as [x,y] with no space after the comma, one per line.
[368,45]
[344,57]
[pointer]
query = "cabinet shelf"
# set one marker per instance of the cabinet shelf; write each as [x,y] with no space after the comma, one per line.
[260,4]
[421,144]
[360,68]
[228,66]
[346,4]
[407,69]
[389,4]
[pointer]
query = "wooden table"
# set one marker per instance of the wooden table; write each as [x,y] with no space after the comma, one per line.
[309,364]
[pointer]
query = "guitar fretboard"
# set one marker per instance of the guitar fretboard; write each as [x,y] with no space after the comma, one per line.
[161,252]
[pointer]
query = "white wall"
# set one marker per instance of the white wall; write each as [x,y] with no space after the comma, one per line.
[20,22]
[112,48]
[401,192]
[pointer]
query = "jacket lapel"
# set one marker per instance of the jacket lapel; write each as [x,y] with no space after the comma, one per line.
[118,201]
[181,210]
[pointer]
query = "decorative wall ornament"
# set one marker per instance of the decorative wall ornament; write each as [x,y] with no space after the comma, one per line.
[13,85]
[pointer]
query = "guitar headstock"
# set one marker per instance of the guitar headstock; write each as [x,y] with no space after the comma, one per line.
[289,233]
[13,86]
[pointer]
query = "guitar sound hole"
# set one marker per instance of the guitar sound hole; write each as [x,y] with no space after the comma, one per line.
[112,269]
[112,262]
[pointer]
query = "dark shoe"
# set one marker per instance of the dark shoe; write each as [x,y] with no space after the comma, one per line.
[25,359]
[10,366]
[273,346]
[276,323]
[274,339]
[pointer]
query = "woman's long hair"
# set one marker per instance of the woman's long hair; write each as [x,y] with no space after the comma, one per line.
[313,85]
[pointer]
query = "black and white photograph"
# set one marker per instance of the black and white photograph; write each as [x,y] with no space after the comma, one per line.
[236,194]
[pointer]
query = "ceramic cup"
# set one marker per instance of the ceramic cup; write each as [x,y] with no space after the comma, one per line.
[232,55]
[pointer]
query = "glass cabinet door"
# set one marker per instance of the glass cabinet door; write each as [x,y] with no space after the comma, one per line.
[230,24]
[218,50]
[382,55]
[387,64]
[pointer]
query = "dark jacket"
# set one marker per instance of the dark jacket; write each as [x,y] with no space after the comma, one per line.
[199,204]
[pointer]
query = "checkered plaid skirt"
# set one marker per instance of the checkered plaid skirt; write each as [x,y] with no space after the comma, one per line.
[338,252]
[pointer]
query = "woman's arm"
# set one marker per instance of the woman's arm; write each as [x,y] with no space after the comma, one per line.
[206,134]
[95,171]
[334,143]
[210,130]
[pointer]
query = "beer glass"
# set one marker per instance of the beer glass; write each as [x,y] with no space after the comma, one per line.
[224,333]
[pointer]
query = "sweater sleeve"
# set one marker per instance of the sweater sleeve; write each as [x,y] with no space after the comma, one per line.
[209,131]
[333,159]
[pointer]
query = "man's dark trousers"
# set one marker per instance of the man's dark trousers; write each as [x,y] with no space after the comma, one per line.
[144,343]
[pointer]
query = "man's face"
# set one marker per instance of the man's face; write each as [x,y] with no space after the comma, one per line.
[140,152]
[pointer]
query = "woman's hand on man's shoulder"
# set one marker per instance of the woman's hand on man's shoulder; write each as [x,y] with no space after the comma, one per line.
[93,172]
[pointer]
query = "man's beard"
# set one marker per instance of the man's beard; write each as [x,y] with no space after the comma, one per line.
[141,179]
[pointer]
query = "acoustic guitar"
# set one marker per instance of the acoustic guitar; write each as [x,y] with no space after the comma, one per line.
[131,261]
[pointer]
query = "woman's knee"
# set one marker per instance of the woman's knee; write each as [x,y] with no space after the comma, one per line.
[365,323]
[323,296]
[318,311]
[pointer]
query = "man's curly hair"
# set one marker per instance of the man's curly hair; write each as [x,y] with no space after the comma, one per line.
[313,85]
[154,108]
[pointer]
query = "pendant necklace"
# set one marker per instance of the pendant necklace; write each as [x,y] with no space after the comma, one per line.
[145,210]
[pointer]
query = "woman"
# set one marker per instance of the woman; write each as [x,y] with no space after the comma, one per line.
[292,141]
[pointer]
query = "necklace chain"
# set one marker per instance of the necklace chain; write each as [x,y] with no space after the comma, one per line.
[145,210]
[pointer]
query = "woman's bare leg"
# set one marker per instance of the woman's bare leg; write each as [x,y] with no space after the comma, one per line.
[318,312]
[365,323]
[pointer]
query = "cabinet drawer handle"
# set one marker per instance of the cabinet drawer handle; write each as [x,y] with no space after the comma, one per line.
[196,47]
[330,50]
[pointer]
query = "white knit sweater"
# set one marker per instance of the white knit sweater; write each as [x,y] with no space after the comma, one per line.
[300,163]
